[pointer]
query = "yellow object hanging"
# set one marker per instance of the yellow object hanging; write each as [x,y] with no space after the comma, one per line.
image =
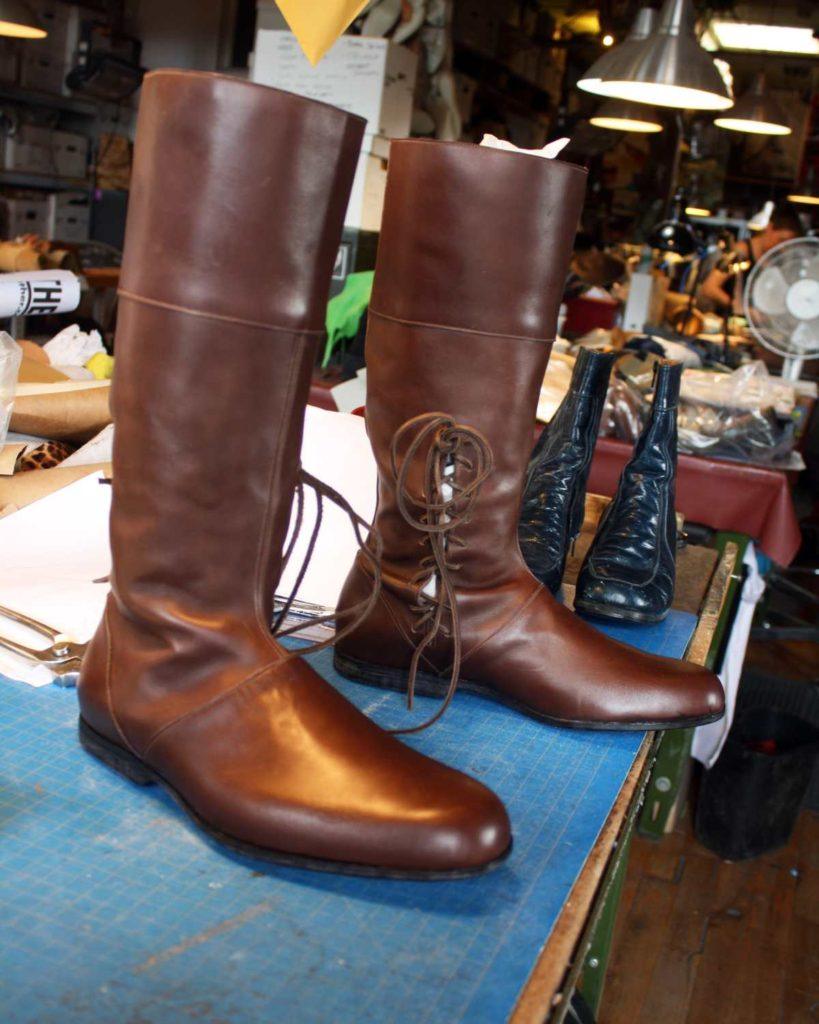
[317,24]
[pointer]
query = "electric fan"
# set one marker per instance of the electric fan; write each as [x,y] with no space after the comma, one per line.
[782,303]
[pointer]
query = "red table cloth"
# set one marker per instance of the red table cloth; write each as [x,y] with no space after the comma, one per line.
[723,495]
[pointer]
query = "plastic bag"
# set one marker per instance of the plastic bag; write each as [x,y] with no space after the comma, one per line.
[624,412]
[743,415]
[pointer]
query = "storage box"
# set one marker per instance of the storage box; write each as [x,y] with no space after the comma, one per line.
[29,150]
[69,216]
[24,216]
[70,154]
[9,61]
[477,24]
[42,69]
[373,78]
[367,196]
[54,18]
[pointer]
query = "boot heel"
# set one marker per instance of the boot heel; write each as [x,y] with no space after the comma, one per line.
[122,761]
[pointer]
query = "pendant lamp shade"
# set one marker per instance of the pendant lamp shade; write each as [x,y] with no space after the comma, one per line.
[756,112]
[620,116]
[18,21]
[669,68]
[642,28]
[674,234]
[808,194]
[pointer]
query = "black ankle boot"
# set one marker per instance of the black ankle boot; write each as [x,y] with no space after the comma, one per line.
[629,571]
[554,497]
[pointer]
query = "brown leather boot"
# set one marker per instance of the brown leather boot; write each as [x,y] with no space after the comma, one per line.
[236,209]
[473,254]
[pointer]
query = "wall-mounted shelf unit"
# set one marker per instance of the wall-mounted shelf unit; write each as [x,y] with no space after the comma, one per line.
[25,179]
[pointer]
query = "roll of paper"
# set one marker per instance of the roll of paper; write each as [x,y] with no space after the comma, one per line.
[38,292]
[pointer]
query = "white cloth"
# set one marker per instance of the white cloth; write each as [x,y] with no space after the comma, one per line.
[549,151]
[73,347]
[709,739]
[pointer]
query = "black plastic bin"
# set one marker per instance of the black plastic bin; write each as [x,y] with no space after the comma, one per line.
[750,799]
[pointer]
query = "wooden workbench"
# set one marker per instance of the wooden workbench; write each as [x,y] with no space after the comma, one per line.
[116,908]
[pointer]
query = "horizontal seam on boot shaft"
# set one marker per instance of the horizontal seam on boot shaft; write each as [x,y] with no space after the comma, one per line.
[258,324]
[458,330]
[210,704]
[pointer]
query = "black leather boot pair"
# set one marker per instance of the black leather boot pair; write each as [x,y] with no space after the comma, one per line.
[629,571]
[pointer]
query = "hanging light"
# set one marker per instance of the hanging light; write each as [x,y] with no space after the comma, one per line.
[669,68]
[674,234]
[756,112]
[18,21]
[762,218]
[697,211]
[807,194]
[641,29]
[627,117]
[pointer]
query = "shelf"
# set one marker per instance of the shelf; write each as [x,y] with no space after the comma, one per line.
[32,97]
[22,179]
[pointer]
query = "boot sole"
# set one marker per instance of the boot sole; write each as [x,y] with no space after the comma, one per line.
[426,685]
[604,611]
[130,767]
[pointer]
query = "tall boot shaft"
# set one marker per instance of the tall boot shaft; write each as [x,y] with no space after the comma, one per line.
[554,496]
[234,222]
[473,256]
[236,207]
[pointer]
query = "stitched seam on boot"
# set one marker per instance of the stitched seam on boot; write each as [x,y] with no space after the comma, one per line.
[517,610]
[109,659]
[218,699]
[458,330]
[221,317]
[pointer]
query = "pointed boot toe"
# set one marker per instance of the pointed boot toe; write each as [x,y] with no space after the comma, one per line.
[613,598]
[286,770]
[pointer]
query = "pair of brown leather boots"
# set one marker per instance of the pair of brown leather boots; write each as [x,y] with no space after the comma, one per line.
[237,202]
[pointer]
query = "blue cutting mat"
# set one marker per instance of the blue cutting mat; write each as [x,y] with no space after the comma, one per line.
[113,908]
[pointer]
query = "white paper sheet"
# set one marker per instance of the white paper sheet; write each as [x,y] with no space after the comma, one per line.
[335,449]
[50,554]
[53,550]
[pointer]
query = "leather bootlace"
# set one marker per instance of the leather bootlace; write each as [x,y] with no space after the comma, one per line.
[458,461]
[371,547]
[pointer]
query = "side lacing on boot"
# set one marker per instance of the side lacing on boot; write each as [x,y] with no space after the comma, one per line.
[437,514]
[370,546]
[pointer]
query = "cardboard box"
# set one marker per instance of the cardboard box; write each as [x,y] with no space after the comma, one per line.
[367,195]
[54,18]
[373,78]
[42,69]
[29,150]
[9,61]
[69,216]
[24,216]
[477,24]
[70,154]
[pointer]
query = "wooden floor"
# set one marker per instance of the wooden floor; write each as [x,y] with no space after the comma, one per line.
[702,941]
